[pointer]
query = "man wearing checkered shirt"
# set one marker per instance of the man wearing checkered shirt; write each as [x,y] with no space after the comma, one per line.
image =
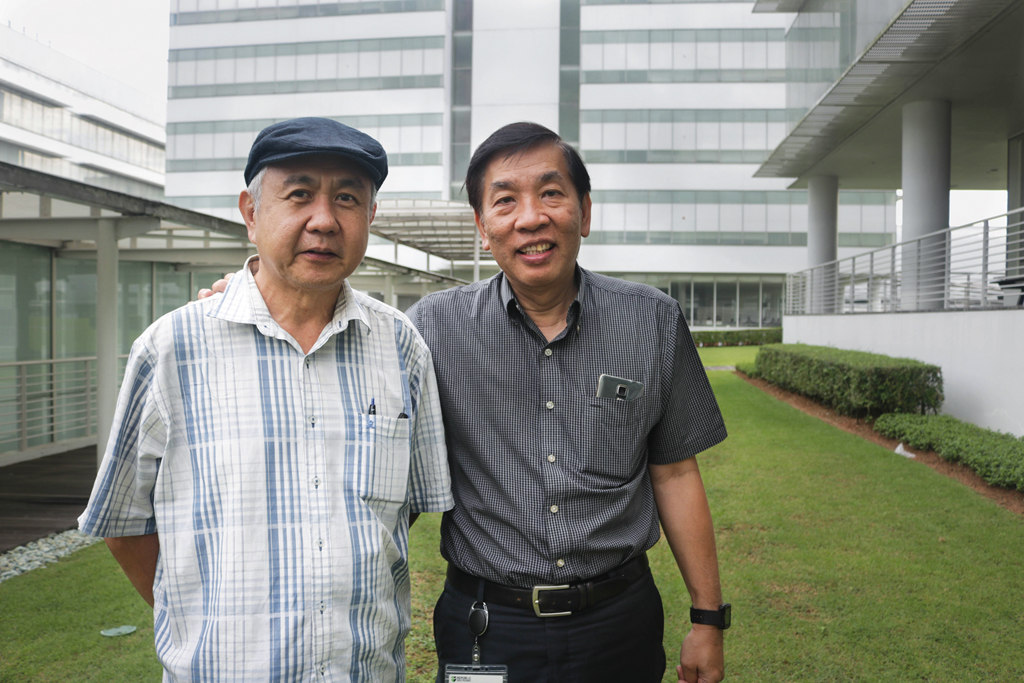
[573,404]
[270,445]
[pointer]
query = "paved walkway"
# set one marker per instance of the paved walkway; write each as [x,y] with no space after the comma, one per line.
[45,495]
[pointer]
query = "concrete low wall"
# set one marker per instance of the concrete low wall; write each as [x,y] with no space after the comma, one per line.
[981,354]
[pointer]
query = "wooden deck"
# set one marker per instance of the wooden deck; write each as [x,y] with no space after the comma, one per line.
[39,497]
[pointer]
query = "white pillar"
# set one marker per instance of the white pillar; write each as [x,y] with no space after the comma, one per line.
[106,330]
[926,167]
[822,236]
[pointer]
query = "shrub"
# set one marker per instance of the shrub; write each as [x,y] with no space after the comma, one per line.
[852,383]
[755,337]
[748,369]
[998,458]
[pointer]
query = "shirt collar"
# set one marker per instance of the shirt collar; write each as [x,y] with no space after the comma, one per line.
[243,303]
[511,305]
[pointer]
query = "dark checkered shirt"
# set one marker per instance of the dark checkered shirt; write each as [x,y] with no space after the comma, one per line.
[551,482]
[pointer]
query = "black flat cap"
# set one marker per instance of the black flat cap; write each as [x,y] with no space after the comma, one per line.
[314,135]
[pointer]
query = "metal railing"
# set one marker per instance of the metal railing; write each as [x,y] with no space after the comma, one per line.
[46,402]
[974,266]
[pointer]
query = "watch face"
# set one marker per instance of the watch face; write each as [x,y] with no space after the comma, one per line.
[726,612]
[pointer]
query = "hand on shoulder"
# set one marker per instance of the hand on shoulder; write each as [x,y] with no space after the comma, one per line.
[217,287]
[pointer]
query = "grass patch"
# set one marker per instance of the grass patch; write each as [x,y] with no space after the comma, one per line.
[727,355]
[843,561]
[51,618]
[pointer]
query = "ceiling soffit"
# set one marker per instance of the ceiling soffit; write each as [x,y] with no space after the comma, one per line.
[924,34]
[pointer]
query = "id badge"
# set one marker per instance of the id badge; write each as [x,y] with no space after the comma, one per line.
[475,673]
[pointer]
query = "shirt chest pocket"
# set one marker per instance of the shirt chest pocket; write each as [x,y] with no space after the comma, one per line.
[614,441]
[383,468]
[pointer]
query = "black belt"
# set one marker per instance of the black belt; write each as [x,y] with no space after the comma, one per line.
[553,601]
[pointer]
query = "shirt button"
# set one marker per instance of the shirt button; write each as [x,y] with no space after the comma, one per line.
[551,457]
[312,420]
[547,352]
[554,509]
[320,543]
[307,362]
[550,405]
[323,668]
[321,607]
[316,482]
[560,562]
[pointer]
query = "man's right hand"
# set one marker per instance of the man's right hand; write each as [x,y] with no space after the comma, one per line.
[217,287]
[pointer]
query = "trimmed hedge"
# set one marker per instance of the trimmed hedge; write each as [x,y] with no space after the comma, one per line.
[998,458]
[755,337]
[747,369]
[852,383]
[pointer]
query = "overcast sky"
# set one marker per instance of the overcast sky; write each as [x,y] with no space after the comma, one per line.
[125,39]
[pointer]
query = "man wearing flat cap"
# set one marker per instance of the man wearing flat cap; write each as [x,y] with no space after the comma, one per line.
[271,444]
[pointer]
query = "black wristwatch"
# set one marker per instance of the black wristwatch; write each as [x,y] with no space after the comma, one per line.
[721,617]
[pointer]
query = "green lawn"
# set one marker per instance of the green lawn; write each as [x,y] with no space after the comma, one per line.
[843,562]
[727,355]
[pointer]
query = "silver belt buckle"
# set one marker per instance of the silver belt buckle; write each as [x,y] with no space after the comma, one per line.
[536,601]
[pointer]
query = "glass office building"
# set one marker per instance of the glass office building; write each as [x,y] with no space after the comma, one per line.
[674,106]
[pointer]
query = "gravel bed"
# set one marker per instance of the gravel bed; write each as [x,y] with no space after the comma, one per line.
[39,553]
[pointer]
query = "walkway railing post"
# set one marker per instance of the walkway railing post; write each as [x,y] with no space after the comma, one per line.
[893,294]
[23,405]
[984,265]
[853,285]
[88,399]
[871,282]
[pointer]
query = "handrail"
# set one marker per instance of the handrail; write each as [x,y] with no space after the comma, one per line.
[966,267]
[46,402]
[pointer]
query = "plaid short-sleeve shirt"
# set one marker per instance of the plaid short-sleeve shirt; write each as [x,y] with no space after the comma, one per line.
[550,480]
[281,505]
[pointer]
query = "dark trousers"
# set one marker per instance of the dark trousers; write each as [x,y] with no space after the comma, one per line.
[616,641]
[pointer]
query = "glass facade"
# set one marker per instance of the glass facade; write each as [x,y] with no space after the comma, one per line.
[723,217]
[379,64]
[680,135]
[462,93]
[411,140]
[38,161]
[57,123]
[725,300]
[826,38]
[24,302]
[172,289]
[683,56]
[569,72]
[185,12]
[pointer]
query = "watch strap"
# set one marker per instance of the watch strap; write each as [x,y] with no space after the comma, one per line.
[720,617]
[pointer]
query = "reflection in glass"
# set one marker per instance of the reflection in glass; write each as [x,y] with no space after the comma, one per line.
[749,300]
[726,304]
[704,304]
[771,304]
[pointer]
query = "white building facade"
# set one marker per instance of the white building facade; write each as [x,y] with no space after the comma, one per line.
[674,105]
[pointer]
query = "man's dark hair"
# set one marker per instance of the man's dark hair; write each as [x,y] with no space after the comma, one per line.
[516,138]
